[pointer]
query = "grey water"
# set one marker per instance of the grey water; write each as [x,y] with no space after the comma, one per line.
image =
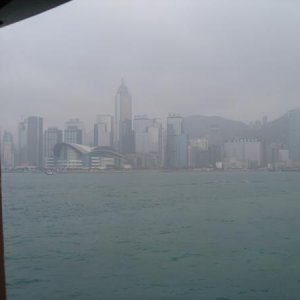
[153,235]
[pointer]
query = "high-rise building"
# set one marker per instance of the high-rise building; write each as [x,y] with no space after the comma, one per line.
[141,125]
[123,135]
[22,144]
[74,132]
[148,141]
[52,136]
[242,154]
[103,131]
[35,141]
[31,142]
[8,152]
[176,144]
[147,134]
[294,134]
[198,153]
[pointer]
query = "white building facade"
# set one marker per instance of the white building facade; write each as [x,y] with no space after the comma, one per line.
[242,154]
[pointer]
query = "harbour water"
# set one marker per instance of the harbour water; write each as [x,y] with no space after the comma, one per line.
[153,235]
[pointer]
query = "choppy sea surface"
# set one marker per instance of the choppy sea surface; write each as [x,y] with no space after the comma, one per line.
[153,235]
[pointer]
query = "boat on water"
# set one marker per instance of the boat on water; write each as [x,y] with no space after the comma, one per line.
[49,172]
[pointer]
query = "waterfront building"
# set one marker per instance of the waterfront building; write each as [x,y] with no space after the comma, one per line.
[278,157]
[74,132]
[176,143]
[216,154]
[283,155]
[31,142]
[294,134]
[272,153]
[141,124]
[8,151]
[242,154]
[103,131]
[148,142]
[52,136]
[147,134]
[102,163]
[80,157]
[198,154]
[22,144]
[35,141]
[123,134]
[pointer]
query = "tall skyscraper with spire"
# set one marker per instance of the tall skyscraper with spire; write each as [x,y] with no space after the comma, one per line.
[123,135]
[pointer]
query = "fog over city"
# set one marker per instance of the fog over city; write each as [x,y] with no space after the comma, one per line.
[150,149]
[236,59]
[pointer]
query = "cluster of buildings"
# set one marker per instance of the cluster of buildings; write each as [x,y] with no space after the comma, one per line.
[123,141]
[119,141]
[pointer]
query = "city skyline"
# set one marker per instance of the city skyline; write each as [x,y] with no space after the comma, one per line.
[90,121]
[275,145]
[122,140]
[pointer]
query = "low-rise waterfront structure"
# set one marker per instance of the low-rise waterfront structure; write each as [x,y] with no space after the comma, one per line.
[81,157]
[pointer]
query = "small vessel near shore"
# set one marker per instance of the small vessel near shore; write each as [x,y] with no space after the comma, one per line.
[49,172]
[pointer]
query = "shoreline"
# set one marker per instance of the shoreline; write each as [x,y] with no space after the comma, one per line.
[151,170]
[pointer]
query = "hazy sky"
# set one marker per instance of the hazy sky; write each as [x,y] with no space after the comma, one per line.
[238,59]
